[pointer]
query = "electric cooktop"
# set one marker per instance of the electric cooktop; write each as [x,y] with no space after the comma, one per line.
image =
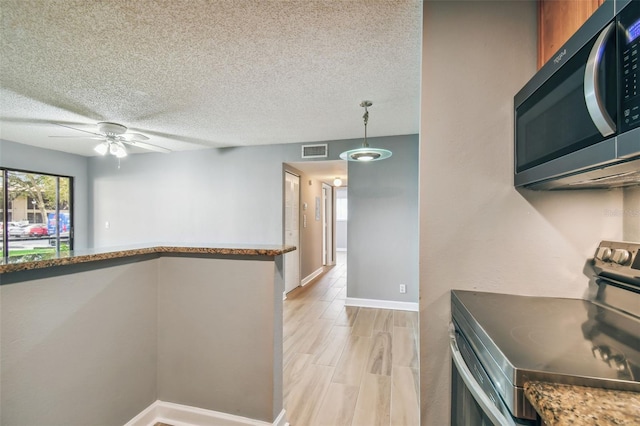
[572,341]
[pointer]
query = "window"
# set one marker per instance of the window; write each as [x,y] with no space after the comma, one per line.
[36,212]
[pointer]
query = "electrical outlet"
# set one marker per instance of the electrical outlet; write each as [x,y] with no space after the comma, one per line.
[403,288]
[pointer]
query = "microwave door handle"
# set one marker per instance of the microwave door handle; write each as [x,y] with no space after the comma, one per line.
[592,95]
[486,405]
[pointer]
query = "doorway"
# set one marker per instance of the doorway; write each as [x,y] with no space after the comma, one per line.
[291,231]
[328,257]
[316,186]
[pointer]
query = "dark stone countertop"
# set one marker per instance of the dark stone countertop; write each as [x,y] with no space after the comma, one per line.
[562,405]
[52,259]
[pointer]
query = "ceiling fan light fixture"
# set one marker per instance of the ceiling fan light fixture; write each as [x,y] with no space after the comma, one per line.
[117,149]
[115,137]
[365,153]
[102,148]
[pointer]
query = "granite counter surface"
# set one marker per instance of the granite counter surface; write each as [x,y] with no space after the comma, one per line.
[561,405]
[52,259]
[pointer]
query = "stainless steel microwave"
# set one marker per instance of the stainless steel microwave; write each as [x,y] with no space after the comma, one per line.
[577,121]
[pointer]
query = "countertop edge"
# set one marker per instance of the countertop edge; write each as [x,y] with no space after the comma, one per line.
[107,254]
[560,405]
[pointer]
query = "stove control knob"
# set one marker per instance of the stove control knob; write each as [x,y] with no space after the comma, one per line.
[620,256]
[604,254]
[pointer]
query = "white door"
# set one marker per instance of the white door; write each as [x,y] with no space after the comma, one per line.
[291,231]
[327,224]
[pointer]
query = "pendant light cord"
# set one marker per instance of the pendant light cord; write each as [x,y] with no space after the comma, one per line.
[365,154]
[366,120]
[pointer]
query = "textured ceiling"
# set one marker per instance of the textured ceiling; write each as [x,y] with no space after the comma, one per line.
[193,73]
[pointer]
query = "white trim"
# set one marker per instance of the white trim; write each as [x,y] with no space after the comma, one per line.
[311,276]
[146,416]
[281,420]
[184,415]
[381,304]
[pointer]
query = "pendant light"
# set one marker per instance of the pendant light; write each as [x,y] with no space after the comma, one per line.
[365,153]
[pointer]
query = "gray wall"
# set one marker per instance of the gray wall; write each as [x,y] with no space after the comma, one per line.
[79,349]
[30,158]
[476,231]
[235,196]
[220,335]
[383,226]
[218,195]
[97,347]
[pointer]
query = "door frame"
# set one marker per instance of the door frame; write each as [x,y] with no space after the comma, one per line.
[328,219]
[293,256]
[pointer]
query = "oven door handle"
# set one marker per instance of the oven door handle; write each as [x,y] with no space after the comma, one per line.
[486,405]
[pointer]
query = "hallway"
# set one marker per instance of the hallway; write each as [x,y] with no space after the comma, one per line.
[347,365]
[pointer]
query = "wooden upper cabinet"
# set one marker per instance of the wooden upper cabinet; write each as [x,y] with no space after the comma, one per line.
[557,21]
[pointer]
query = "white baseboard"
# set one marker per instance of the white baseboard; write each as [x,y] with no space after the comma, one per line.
[281,420]
[311,276]
[381,304]
[184,415]
[146,417]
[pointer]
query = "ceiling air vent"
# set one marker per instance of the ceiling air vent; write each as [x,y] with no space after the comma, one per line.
[315,151]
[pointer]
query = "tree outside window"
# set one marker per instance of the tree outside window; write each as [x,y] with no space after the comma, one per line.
[36,198]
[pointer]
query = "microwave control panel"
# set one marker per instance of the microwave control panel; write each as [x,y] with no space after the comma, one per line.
[630,85]
[630,72]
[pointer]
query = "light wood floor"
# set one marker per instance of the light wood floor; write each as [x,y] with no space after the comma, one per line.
[346,365]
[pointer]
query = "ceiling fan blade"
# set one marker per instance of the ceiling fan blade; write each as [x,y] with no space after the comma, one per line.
[78,137]
[79,130]
[188,139]
[134,137]
[146,146]
[38,121]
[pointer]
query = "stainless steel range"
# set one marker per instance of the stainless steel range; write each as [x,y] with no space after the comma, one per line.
[501,341]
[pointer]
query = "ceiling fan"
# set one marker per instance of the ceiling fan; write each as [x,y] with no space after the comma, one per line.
[114,137]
